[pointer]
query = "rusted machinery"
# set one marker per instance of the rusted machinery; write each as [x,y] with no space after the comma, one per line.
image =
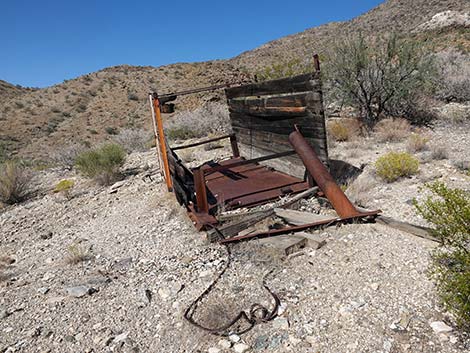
[280,125]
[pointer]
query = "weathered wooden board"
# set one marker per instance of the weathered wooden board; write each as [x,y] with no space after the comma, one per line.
[264,114]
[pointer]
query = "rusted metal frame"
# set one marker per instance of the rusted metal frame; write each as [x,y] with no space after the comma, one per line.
[161,145]
[209,170]
[234,144]
[155,134]
[202,142]
[293,229]
[201,192]
[322,177]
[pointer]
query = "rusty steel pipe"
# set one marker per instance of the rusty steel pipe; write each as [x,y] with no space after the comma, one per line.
[322,177]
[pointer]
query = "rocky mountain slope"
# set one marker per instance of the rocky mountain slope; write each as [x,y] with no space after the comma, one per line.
[86,110]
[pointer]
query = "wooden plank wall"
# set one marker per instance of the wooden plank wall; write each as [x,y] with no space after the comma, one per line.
[263,115]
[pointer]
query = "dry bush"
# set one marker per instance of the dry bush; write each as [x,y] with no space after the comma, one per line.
[395,165]
[455,113]
[213,118]
[15,182]
[66,156]
[344,129]
[454,83]
[439,152]
[134,139]
[417,143]
[392,130]
[77,253]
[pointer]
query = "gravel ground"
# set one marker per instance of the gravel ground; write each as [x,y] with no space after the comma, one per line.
[366,290]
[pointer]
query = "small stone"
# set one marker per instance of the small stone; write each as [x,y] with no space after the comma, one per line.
[164,293]
[441,327]
[4,314]
[49,260]
[281,323]
[312,340]
[225,344]
[234,338]
[213,350]
[80,291]
[116,186]
[241,347]
[205,273]
[69,338]
[43,290]
[375,286]
[47,235]
[261,342]
[281,309]
[294,340]
[120,338]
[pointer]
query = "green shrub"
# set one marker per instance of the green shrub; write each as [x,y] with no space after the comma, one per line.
[395,165]
[64,185]
[449,211]
[102,163]
[14,182]
[111,130]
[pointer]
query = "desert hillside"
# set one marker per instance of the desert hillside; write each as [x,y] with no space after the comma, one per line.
[92,107]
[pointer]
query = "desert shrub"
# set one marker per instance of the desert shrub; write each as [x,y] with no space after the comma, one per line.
[213,118]
[67,155]
[462,165]
[392,130]
[102,163]
[64,185]
[377,77]
[395,165]
[344,129]
[134,139]
[77,253]
[439,152]
[15,182]
[111,130]
[455,113]
[285,68]
[454,74]
[448,210]
[417,143]
[132,96]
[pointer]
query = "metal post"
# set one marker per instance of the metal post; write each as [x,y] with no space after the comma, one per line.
[233,142]
[201,193]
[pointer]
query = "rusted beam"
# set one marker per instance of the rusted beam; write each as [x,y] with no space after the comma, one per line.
[201,192]
[322,177]
[234,144]
[202,142]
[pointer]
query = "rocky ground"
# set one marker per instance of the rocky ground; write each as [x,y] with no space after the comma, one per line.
[106,269]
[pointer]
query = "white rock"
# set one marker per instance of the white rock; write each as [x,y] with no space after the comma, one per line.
[225,344]
[213,350]
[234,338]
[441,327]
[121,337]
[281,309]
[241,347]
[281,323]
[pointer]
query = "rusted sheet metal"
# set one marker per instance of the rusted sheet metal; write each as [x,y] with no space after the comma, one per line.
[293,229]
[322,177]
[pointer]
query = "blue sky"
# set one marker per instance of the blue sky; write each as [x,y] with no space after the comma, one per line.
[44,42]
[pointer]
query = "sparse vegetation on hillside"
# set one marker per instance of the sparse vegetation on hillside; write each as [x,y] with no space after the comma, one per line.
[448,210]
[392,130]
[344,129]
[102,163]
[454,83]
[379,78]
[134,140]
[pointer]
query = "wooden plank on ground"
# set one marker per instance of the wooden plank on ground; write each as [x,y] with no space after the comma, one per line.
[299,218]
[286,244]
[422,232]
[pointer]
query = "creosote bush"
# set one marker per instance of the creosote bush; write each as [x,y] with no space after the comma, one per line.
[77,253]
[14,182]
[394,165]
[134,139]
[448,210]
[102,163]
[392,130]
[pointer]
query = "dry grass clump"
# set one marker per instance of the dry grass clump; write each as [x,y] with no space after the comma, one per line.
[417,143]
[344,129]
[395,165]
[454,84]
[15,182]
[392,130]
[439,152]
[103,163]
[66,156]
[134,139]
[77,253]
[213,118]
